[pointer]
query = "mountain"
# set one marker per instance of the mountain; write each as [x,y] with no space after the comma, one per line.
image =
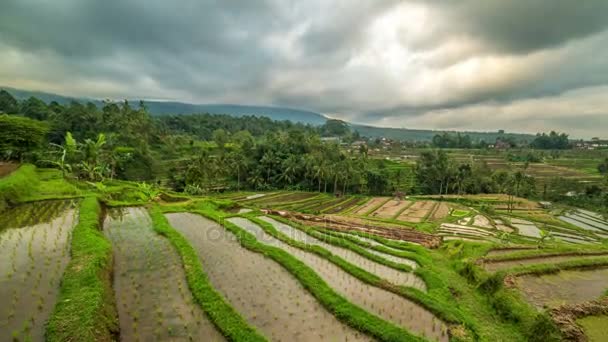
[166,107]
[274,113]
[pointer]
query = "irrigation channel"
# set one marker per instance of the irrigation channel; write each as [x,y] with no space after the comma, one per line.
[152,296]
[565,287]
[35,254]
[267,296]
[380,302]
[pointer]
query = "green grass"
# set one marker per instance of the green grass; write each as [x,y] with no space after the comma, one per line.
[460,213]
[594,327]
[18,185]
[343,310]
[435,305]
[85,308]
[225,317]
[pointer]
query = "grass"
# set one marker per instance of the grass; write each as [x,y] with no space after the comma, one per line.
[85,308]
[435,305]
[594,327]
[18,185]
[338,305]
[225,317]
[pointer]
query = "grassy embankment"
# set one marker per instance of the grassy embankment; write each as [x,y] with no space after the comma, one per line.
[228,321]
[343,310]
[85,309]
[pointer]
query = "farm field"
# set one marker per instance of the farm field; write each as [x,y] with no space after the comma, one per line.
[384,304]
[416,265]
[34,241]
[152,296]
[268,296]
[565,287]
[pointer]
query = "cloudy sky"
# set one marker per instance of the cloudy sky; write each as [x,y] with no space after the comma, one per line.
[519,65]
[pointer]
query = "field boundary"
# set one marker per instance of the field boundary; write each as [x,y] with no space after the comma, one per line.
[18,184]
[85,309]
[229,322]
[412,294]
[342,309]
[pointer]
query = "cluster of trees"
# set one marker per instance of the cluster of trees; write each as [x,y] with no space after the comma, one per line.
[551,141]
[447,140]
[293,159]
[436,173]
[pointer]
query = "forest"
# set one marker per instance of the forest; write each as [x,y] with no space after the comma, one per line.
[206,153]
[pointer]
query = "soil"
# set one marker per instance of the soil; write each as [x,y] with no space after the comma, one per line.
[264,293]
[390,209]
[482,221]
[441,212]
[385,304]
[390,274]
[152,295]
[344,206]
[374,202]
[417,212]
[31,266]
[7,168]
[344,224]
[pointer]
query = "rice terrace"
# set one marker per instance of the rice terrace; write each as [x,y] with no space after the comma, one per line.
[304,171]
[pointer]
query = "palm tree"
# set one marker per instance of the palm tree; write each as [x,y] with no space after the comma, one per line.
[237,161]
[289,169]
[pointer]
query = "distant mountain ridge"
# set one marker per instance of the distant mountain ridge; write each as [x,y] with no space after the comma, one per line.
[274,113]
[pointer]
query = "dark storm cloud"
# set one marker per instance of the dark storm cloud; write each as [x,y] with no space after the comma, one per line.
[371,61]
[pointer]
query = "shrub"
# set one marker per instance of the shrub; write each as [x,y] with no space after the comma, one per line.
[19,135]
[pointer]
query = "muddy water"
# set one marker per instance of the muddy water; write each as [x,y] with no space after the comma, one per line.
[34,213]
[566,287]
[527,229]
[502,265]
[372,242]
[32,262]
[392,275]
[385,304]
[267,296]
[152,295]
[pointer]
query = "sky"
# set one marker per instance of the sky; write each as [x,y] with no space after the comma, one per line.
[518,65]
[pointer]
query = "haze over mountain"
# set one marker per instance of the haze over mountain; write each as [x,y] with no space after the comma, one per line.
[465,65]
[274,113]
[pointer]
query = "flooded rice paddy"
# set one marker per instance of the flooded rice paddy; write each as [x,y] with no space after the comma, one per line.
[380,302]
[152,295]
[565,287]
[267,296]
[33,259]
[390,274]
[506,264]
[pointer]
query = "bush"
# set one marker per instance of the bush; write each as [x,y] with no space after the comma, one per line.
[544,330]
[20,135]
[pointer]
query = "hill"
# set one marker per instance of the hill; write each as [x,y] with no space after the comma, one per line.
[427,135]
[274,113]
[166,107]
